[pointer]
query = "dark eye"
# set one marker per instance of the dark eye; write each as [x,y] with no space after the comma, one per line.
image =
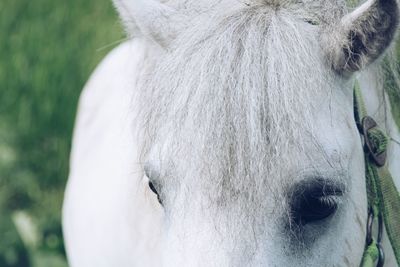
[151,185]
[153,188]
[314,201]
[151,174]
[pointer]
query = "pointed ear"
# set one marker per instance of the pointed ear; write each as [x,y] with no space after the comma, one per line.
[362,36]
[149,18]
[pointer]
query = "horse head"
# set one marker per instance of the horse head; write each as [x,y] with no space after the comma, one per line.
[246,122]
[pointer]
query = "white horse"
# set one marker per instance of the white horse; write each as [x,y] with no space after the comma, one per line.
[204,139]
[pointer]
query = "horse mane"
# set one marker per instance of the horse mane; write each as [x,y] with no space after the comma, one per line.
[206,102]
[221,51]
[231,97]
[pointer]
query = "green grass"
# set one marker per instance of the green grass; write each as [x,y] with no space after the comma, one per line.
[47,51]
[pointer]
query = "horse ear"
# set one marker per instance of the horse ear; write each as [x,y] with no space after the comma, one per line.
[149,18]
[362,35]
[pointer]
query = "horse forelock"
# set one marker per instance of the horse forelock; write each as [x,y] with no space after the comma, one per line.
[322,8]
[226,111]
[221,110]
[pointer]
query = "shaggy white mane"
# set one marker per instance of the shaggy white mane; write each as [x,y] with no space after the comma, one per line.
[234,90]
[228,101]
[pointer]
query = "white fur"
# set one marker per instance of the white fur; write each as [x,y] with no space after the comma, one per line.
[106,203]
[229,123]
[153,19]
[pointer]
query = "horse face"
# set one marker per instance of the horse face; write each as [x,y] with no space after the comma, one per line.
[303,205]
[250,141]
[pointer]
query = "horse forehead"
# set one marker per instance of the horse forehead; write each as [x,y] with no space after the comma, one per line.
[329,139]
[324,150]
[238,116]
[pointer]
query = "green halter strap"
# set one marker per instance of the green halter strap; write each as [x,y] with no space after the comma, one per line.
[383,197]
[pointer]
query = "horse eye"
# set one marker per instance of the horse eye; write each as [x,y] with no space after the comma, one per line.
[151,185]
[151,174]
[314,202]
[153,188]
[311,209]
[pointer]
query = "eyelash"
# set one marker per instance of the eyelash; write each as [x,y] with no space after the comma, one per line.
[329,200]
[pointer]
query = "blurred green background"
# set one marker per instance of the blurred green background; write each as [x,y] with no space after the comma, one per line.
[47,51]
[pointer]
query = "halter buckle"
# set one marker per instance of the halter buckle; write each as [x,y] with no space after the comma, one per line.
[369,123]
